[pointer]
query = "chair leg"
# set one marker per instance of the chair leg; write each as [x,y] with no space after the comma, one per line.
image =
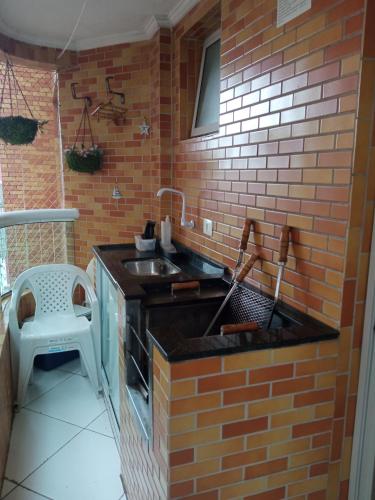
[87,354]
[83,367]
[31,379]
[24,372]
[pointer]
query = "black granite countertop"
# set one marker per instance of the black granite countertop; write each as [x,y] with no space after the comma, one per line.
[297,328]
[192,265]
[178,321]
[175,347]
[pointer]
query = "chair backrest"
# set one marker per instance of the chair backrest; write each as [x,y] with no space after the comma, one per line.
[52,286]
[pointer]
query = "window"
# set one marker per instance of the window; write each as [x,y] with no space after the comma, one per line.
[207,102]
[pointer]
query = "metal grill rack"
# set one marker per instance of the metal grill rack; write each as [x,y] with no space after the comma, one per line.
[248,305]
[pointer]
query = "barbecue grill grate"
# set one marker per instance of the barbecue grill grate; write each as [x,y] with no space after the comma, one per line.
[247,305]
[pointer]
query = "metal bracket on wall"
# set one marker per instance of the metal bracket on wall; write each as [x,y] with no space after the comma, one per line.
[87,99]
[112,92]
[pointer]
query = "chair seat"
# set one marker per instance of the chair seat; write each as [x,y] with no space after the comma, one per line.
[55,326]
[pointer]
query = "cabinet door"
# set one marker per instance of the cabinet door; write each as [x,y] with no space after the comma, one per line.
[110,345]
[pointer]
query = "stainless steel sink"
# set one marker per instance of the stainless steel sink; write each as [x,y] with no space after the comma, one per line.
[151,267]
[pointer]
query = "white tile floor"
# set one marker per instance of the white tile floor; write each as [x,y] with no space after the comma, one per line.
[62,446]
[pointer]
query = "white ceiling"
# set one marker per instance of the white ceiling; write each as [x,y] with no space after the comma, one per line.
[104,22]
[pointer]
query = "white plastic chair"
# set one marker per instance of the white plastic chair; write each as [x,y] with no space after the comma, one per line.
[55,327]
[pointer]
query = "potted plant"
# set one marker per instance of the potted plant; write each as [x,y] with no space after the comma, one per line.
[87,160]
[16,130]
[84,159]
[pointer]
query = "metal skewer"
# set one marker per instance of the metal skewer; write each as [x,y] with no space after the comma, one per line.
[283,257]
[243,273]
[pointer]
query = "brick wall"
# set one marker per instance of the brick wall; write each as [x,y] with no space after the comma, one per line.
[31,175]
[253,425]
[310,168]
[284,152]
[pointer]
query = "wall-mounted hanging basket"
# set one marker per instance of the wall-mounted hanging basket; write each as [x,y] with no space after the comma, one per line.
[84,159]
[16,129]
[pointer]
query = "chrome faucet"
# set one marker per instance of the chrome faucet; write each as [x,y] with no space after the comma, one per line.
[184,222]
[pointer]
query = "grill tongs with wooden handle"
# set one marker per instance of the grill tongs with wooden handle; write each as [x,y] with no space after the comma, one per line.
[242,248]
[242,275]
[283,257]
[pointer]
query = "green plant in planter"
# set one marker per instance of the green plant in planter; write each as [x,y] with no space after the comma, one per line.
[17,130]
[84,160]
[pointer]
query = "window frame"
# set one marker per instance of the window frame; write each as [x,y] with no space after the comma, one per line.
[211,127]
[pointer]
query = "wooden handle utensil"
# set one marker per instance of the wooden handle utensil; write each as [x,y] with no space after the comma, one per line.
[187,285]
[245,234]
[284,244]
[237,328]
[246,268]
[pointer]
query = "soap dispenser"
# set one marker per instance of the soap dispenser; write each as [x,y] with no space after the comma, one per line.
[166,235]
[166,232]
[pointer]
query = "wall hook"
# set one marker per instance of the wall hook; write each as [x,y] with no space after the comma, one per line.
[87,99]
[110,91]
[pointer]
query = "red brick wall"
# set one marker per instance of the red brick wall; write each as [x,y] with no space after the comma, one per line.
[127,156]
[31,175]
[285,148]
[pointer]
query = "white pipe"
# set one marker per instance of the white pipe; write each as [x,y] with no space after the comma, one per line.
[41,215]
[184,223]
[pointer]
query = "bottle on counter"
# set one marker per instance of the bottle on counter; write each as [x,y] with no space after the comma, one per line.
[166,232]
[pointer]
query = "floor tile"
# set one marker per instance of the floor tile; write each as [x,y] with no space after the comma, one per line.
[43,381]
[102,425]
[35,438]
[23,494]
[91,469]
[73,401]
[7,487]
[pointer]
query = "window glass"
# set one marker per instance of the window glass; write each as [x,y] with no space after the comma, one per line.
[206,116]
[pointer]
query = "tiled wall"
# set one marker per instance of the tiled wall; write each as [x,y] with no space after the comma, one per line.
[361,218]
[127,158]
[284,152]
[253,425]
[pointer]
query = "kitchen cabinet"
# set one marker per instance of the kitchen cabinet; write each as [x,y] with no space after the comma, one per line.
[107,295]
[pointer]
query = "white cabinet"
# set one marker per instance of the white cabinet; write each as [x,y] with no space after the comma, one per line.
[107,294]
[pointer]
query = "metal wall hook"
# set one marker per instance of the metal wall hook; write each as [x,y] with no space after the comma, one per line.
[110,91]
[87,99]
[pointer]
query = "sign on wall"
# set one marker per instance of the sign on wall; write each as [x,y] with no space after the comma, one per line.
[289,9]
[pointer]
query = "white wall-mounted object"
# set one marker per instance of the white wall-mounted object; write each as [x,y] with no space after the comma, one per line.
[207,227]
[289,9]
[18,217]
[184,222]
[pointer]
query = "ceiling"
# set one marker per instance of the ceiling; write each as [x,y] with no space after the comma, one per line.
[104,22]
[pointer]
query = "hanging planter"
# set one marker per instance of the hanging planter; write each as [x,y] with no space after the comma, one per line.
[16,130]
[84,159]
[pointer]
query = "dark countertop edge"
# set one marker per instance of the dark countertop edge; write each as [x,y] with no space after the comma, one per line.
[206,350]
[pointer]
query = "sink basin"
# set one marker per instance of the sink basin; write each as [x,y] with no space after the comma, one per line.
[151,267]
